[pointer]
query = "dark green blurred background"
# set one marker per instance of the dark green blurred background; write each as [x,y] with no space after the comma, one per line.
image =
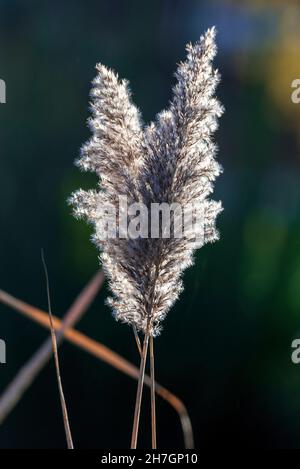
[226,345]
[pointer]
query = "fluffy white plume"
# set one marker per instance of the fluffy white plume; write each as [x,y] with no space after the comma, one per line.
[170,161]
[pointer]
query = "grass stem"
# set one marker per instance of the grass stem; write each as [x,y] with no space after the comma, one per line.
[139,394]
[137,339]
[57,367]
[14,392]
[153,405]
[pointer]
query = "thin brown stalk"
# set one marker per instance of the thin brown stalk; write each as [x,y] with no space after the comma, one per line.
[137,339]
[153,405]
[152,377]
[56,361]
[181,410]
[139,394]
[103,353]
[27,374]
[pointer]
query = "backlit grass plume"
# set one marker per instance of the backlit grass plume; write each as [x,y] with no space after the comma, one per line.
[170,160]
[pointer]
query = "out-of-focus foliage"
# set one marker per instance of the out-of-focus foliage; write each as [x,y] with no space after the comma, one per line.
[265,3]
[283,65]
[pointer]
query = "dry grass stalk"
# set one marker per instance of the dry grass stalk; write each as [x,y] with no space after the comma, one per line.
[139,394]
[16,389]
[169,161]
[137,339]
[57,365]
[152,388]
[27,374]
[153,407]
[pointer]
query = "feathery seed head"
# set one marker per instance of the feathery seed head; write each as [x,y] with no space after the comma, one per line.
[170,161]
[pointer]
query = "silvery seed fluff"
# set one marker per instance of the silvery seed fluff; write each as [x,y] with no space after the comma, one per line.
[171,160]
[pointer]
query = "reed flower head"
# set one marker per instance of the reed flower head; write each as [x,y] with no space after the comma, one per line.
[170,161]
